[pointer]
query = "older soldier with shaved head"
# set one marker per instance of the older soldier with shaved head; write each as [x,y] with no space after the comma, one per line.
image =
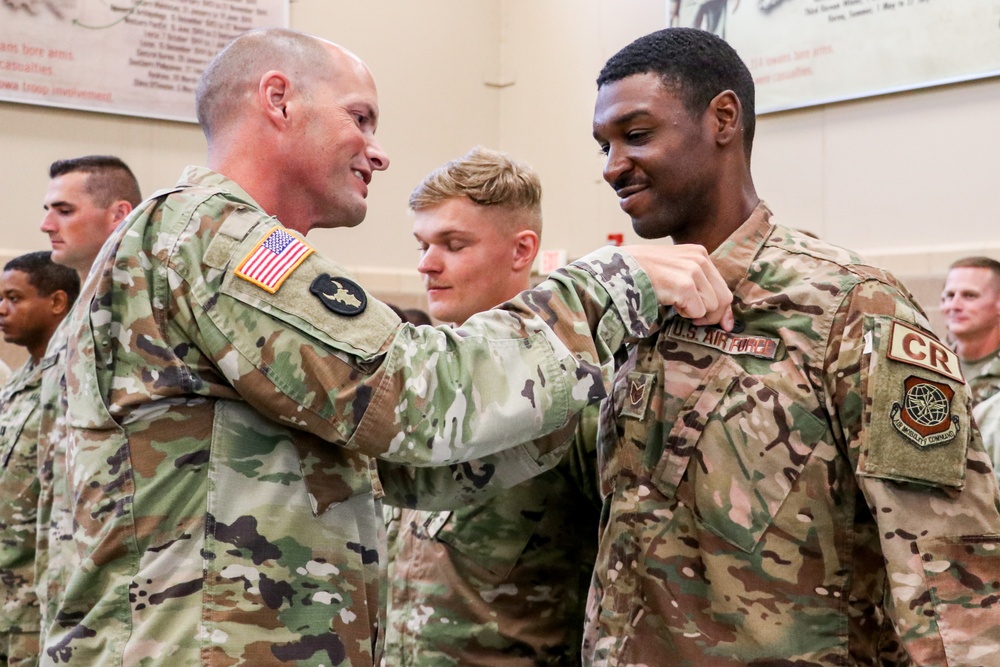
[227,385]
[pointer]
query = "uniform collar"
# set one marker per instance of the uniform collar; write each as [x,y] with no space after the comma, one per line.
[205,177]
[734,256]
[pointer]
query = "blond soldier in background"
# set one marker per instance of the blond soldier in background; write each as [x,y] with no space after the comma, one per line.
[806,489]
[227,385]
[501,581]
[35,296]
[970,303]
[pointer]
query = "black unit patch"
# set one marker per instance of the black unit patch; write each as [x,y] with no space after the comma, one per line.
[340,295]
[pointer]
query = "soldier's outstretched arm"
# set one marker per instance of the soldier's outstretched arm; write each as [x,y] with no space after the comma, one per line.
[424,395]
[470,404]
[315,352]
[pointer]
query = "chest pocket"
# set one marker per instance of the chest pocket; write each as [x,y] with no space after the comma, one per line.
[494,534]
[735,452]
[11,424]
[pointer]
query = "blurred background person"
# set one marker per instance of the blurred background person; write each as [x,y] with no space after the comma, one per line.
[970,304]
[35,296]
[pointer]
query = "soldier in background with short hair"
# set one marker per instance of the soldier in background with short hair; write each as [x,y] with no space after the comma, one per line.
[35,296]
[970,303]
[86,199]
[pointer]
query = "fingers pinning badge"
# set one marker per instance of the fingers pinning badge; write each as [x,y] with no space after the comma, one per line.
[340,295]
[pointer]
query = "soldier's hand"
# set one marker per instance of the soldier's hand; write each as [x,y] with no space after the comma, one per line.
[684,277]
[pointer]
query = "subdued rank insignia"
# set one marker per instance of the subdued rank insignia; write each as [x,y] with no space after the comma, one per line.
[340,295]
[639,386]
[925,416]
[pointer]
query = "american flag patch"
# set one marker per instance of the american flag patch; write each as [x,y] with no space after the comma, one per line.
[273,259]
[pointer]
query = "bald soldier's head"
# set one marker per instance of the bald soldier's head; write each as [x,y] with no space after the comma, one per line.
[291,118]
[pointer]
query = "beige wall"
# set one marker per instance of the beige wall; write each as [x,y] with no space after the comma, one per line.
[907,178]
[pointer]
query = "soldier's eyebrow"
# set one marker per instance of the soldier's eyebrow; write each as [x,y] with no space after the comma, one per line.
[630,116]
[624,119]
[445,234]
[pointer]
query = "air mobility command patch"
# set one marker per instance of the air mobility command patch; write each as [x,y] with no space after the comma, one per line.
[924,415]
[273,259]
[919,422]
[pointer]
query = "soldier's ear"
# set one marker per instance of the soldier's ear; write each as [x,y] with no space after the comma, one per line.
[60,303]
[725,115]
[119,211]
[273,96]
[525,248]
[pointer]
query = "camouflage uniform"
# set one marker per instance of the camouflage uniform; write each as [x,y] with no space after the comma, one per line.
[502,581]
[806,491]
[19,615]
[56,556]
[986,382]
[986,413]
[221,427]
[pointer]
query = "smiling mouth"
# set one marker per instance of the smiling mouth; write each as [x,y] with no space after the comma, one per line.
[362,176]
[629,190]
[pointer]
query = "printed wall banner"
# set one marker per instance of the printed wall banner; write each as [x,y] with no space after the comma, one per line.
[136,57]
[806,52]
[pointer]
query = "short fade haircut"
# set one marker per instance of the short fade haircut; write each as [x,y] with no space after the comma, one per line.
[487,178]
[46,276]
[696,64]
[235,72]
[980,262]
[109,179]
